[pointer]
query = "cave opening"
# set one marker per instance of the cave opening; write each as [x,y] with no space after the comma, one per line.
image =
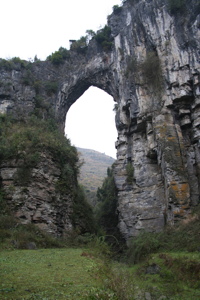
[90,122]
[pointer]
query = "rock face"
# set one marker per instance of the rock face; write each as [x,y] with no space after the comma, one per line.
[152,72]
[38,201]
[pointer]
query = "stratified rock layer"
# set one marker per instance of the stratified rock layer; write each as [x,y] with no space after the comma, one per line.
[38,201]
[152,72]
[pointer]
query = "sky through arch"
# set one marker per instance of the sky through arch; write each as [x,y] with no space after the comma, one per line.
[90,122]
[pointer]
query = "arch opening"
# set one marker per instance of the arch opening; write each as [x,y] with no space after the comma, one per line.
[90,122]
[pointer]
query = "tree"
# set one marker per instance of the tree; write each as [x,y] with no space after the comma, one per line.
[107,197]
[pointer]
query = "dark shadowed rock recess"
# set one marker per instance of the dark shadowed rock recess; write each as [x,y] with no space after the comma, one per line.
[152,72]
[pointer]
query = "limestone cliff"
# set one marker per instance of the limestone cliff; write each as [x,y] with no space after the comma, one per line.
[38,201]
[152,72]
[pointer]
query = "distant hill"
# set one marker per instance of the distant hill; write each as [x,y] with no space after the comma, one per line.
[93,171]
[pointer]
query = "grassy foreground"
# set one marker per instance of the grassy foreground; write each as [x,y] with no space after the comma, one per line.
[45,274]
[76,274]
[156,266]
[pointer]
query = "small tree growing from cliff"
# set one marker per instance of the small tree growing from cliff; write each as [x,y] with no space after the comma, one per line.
[130,173]
[104,38]
[58,57]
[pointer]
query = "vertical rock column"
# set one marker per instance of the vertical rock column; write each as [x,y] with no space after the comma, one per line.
[171,154]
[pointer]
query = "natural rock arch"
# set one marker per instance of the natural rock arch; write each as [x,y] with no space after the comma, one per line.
[70,91]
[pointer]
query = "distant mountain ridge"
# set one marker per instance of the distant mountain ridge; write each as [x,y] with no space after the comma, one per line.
[93,170]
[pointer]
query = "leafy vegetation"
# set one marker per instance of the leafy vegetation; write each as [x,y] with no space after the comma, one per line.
[14,63]
[25,141]
[130,173]
[106,214]
[104,38]
[117,9]
[152,71]
[90,273]
[51,87]
[183,237]
[15,235]
[27,78]
[46,274]
[80,46]
[83,217]
[58,57]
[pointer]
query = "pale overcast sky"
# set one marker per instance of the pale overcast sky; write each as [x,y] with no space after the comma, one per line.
[40,27]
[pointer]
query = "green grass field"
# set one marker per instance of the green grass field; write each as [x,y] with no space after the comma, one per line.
[155,266]
[46,274]
[68,274]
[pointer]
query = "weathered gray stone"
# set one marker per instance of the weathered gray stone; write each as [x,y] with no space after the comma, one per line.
[39,202]
[147,296]
[153,269]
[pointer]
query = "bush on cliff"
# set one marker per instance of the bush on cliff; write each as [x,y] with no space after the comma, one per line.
[24,140]
[58,57]
[80,46]
[183,237]
[104,38]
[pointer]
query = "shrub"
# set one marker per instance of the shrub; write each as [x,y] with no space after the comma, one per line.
[37,84]
[64,52]
[36,59]
[83,217]
[80,46]
[41,103]
[59,57]
[14,63]
[28,78]
[104,39]
[7,222]
[51,87]
[90,34]
[141,246]
[20,236]
[26,141]
[117,9]
[152,72]
[183,237]
[56,58]
[4,209]
[7,65]
[130,173]
[150,68]
[106,209]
